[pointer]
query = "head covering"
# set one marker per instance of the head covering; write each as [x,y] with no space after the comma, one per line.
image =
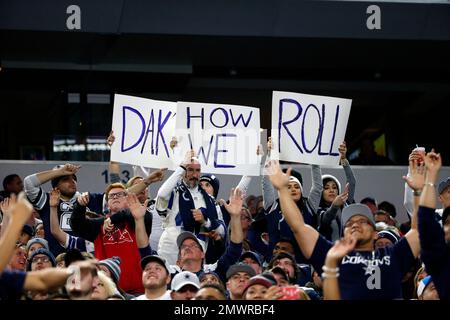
[443,185]
[369,200]
[184,278]
[113,265]
[240,267]
[205,273]
[188,235]
[329,177]
[294,179]
[41,241]
[251,254]
[213,181]
[145,260]
[423,285]
[390,235]
[44,252]
[56,180]
[295,174]
[28,230]
[260,279]
[356,209]
[281,272]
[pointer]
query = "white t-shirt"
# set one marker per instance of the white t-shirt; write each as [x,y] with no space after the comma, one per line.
[165,296]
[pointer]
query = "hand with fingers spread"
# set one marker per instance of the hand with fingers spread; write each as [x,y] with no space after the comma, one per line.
[198,216]
[83,199]
[341,198]
[339,250]
[416,177]
[279,179]
[111,138]
[54,197]
[234,206]
[5,206]
[137,209]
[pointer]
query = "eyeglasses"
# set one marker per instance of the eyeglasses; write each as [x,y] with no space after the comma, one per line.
[117,195]
[361,222]
[44,259]
[191,246]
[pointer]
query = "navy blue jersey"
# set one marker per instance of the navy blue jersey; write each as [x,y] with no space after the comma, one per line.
[369,274]
[11,284]
[65,209]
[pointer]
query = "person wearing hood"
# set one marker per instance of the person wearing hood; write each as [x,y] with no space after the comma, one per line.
[334,199]
[276,225]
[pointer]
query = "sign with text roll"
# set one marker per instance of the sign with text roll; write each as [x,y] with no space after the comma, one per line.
[308,128]
[224,137]
[143,129]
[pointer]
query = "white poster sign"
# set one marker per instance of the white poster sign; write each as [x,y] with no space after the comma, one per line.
[308,128]
[143,129]
[224,137]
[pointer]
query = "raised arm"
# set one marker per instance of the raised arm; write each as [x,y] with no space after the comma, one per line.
[305,235]
[33,182]
[138,211]
[19,211]
[415,181]
[268,191]
[408,200]
[432,237]
[55,228]
[351,180]
[46,279]
[155,176]
[315,193]
[234,208]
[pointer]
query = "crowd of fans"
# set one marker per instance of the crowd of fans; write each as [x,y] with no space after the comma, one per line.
[183,243]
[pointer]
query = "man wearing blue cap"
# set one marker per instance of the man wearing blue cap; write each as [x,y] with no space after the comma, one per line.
[364,272]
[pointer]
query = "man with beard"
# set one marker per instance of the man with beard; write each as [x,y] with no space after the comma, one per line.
[155,279]
[365,272]
[185,206]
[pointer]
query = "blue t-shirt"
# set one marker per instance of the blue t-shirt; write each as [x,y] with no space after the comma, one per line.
[11,284]
[369,274]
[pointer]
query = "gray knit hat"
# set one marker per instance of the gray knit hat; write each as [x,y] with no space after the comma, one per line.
[41,241]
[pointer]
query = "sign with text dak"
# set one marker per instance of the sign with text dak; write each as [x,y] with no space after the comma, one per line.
[143,129]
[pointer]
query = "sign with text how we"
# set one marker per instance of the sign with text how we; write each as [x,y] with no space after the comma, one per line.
[308,128]
[224,137]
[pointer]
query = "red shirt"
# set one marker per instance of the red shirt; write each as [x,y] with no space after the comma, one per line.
[121,242]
